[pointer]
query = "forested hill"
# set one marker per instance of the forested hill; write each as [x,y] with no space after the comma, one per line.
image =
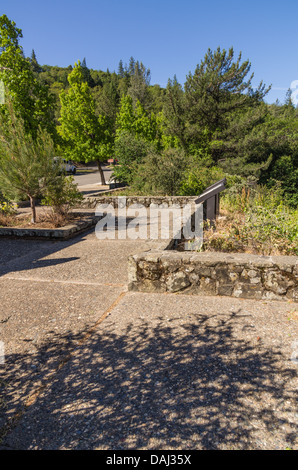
[221,122]
[106,87]
[173,140]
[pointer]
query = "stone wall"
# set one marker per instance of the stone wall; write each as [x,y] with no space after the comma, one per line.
[209,273]
[146,201]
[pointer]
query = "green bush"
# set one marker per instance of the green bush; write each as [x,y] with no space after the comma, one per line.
[284,172]
[160,173]
[196,180]
[62,195]
[267,221]
[130,151]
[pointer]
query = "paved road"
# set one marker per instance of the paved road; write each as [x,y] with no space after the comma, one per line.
[88,179]
[89,365]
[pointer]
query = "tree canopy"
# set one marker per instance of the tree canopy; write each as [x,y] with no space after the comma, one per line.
[216,122]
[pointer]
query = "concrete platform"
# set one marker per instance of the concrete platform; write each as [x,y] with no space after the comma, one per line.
[89,365]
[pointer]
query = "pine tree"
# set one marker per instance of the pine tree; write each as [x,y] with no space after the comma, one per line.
[35,65]
[139,82]
[87,74]
[26,164]
[121,71]
[218,87]
[174,111]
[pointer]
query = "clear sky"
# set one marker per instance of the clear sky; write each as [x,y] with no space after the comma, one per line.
[168,36]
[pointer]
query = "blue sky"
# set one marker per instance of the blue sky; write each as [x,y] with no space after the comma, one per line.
[168,36]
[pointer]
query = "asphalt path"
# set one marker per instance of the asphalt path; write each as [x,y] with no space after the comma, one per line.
[88,178]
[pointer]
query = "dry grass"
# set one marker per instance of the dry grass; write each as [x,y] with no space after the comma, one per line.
[46,219]
[234,232]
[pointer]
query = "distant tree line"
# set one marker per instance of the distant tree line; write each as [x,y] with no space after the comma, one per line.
[176,139]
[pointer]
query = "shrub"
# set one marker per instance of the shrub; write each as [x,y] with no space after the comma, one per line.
[257,220]
[129,151]
[160,173]
[62,195]
[197,179]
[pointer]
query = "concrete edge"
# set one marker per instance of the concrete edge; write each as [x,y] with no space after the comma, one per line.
[61,233]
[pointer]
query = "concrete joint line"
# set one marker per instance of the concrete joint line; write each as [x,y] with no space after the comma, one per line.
[57,281]
[14,420]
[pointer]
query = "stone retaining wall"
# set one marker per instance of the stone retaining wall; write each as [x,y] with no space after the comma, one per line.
[210,273]
[146,201]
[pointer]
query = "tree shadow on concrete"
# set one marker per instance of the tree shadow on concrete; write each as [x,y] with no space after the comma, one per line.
[190,383]
[25,254]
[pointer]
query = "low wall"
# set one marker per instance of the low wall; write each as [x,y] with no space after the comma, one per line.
[146,201]
[211,273]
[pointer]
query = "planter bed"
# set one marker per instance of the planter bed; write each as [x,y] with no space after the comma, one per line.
[59,233]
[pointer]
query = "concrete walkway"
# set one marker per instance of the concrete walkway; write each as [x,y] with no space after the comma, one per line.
[89,365]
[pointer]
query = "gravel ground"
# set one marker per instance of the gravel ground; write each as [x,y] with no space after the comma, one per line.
[89,365]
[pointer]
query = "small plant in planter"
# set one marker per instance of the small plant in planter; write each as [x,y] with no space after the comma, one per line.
[62,195]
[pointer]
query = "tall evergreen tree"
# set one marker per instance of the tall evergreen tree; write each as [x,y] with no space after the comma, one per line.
[219,86]
[174,111]
[121,71]
[87,74]
[139,82]
[34,63]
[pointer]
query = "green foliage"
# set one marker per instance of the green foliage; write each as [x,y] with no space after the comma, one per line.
[32,100]
[130,152]
[261,220]
[86,137]
[62,195]
[284,173]
[174,111]
[197,179]
[160,173]
[26,164]
[136,120]
[220,85]
[139,83]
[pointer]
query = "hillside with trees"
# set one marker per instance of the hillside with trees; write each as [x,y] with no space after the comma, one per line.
[173,140]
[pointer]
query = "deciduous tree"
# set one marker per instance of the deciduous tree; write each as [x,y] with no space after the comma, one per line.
[86,137]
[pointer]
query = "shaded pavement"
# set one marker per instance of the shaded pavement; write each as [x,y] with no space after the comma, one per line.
[89,365]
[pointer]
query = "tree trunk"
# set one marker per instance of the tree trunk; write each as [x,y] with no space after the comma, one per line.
[33,209]
[102,176]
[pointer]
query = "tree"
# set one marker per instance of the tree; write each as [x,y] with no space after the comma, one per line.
[32,100]
[87,74]
[220,85]
[35,65]
[136,120]
[160,172]
[121,71]
[218,91]
[86,137]
[174,111]
[130,152]
[26,164]
[139,82]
